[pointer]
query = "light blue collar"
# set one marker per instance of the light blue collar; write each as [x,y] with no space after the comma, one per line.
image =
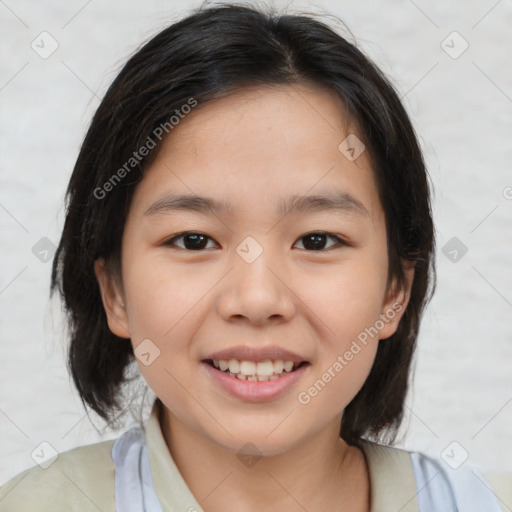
[133,481]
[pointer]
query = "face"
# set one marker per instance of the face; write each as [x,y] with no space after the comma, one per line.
[256,281]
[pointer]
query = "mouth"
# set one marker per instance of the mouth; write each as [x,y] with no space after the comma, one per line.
[255,374]
[261,371]
[255,381]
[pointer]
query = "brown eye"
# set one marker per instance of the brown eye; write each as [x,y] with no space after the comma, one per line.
[316,241]
[192,241]
[195,241]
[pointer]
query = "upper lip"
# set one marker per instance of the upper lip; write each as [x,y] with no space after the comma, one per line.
[244,353]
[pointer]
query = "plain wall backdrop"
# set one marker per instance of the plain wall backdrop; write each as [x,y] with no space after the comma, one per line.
[451,64]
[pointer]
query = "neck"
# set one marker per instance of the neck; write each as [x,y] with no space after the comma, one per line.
[318,472]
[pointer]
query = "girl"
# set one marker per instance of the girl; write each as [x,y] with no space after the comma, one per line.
[249,222]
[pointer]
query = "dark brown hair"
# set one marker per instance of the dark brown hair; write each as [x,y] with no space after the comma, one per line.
[212,53]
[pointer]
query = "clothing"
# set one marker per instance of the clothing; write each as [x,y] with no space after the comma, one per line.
[138,472]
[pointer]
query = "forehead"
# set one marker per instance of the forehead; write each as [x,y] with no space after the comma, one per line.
[276,119]
[258,145]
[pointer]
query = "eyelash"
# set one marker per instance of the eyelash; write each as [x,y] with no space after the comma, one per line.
[169,241]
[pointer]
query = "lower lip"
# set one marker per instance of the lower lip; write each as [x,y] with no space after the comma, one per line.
[255,391]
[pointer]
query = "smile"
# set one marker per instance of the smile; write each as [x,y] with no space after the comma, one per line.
[255,381]
[255,371]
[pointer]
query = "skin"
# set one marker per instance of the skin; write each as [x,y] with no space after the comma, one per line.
[255,147]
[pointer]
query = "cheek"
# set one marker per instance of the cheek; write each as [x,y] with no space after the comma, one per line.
[162,320]
[348,301]
[162,296]
[348,304]
[337,377]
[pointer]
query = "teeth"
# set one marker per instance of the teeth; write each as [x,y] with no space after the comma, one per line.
[234,366]
[278,366]
[265,369]
[288,366]
[247,367]
[251,371]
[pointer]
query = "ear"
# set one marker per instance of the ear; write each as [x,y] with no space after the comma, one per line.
[395,304]
[113,300]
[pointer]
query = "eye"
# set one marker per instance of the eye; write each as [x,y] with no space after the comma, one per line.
[196,241]
[316,241]
[193,240]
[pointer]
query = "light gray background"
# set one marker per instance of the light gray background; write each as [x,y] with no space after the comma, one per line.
[462,110]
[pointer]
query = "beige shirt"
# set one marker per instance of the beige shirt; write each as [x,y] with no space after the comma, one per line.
[82,480]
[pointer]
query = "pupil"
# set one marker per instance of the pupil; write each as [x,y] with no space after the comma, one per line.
[197,241]
[317,238]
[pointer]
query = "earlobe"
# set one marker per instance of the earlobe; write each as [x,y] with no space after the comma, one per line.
[113,301]
[396,303]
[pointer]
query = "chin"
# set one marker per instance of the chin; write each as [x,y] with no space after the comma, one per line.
[263,440]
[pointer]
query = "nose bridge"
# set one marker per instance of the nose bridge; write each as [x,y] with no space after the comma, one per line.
[256,289]
[254,259]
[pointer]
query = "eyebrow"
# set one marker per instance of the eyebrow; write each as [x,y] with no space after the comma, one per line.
[338,201]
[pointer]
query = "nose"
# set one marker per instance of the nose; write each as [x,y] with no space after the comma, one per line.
[258,291]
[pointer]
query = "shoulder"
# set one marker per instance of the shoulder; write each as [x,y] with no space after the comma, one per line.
[439,483]
[501,484]
[81,479]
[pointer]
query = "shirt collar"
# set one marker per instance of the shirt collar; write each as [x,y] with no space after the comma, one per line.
[170,487]
[392,482]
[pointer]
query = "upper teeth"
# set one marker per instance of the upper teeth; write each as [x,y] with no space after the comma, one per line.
[251,369]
